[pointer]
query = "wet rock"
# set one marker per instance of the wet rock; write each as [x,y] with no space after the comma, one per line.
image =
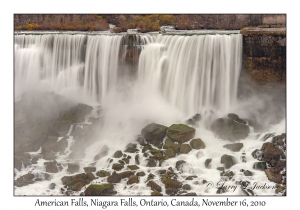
[158,156]
[273,176]
[180,164]
[150,177]
[248,173]
[236,147]
[103,152]
[154,132]
[133,167]
[172,186]
[228,174]
[168,143]
[78,181]
[146,148]
[141,173]
[197,144]
[117,166]
[186,187]
[137,159]
[103,173]
[52,186]
[257,154]
[24,180]
[155,193]
[260,166]
[190,177]
[126,174]
[35,159]
[221,168]
[118,154]
[126,160]
[131,148]
[49,156]
[151,162]
[100,190]
[89,169]
[51,167]
[228,161]
[170,153]
[73,168]
[180,133]
[163,171]
[196,117]
[114,178]
[271,152]
[141,140]
[133,179]
[233,116]
[229,129]
[185,149]
[207,162]
[154,186]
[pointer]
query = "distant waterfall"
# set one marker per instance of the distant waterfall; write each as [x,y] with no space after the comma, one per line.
[191,72]
[194,72]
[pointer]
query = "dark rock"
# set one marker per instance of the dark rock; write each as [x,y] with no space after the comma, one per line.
[103,152]
[141,173]
[150,177]
[78,181]
[257,154]
[185,149]
[90,176]
[248,173]
[51,167]
[273,176]
[168,143]
[73,168]
[229,129]
[158,156]
[126,160]
[100,190]
[236,147]
[114,178]
[180,133]
[89,169]
[228,161]
[118,154]
[52,186]
[154,186]
[155,193]
[141,140]
[117,166]
[131,148]
[151,162]
[102,173]
[196,117]
[146,148]
[233,116]
[207,162]
[229,174]
[35,159]
[137,159]
[271,152]
[197,144]
[126,174]
[133,179]
[154,132]
[220,168]
[170,153]
[186,187]
[133,167]
[180,164]
[172,186]
[190,177]
[260,166]
[121,162]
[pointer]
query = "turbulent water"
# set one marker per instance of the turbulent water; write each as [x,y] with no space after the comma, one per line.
[175,77]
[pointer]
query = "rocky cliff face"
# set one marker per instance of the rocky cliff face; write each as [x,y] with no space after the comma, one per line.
[264,54]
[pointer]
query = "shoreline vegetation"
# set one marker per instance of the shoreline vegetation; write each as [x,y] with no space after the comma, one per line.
[144,22]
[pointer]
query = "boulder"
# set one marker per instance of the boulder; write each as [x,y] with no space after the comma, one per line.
[151,162]
[117,166]
[271,152]
[73,168]
[154,186]
[51,167]
[248,173]
[228,161]
[100,190]
[131,148]
[141,173]
[114,178]
[133,179]
[273,176]
[126,174]
[229,129]
[118,154]
[133,167]
[236,147]
[186,187]
[158,156]
[180,164]
[207,162]
[155,193]
[170,153]
[172,186]
[77,181]
[197,144]
[52,186]
[168,143]
[102,173]
[185,149]
[180,133]
[154,132]
[260,166]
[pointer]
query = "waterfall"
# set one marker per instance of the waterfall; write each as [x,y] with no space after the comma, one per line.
[192,73]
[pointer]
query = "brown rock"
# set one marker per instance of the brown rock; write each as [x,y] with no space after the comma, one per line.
[51,167]
[197,144]
[114,178]
[89,169]
[133,179]
[272,176]
[271,152]
[154,186]
[236,147]
[126,174]
[100,190]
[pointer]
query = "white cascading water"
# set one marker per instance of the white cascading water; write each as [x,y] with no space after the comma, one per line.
[194,72]
[177,77]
